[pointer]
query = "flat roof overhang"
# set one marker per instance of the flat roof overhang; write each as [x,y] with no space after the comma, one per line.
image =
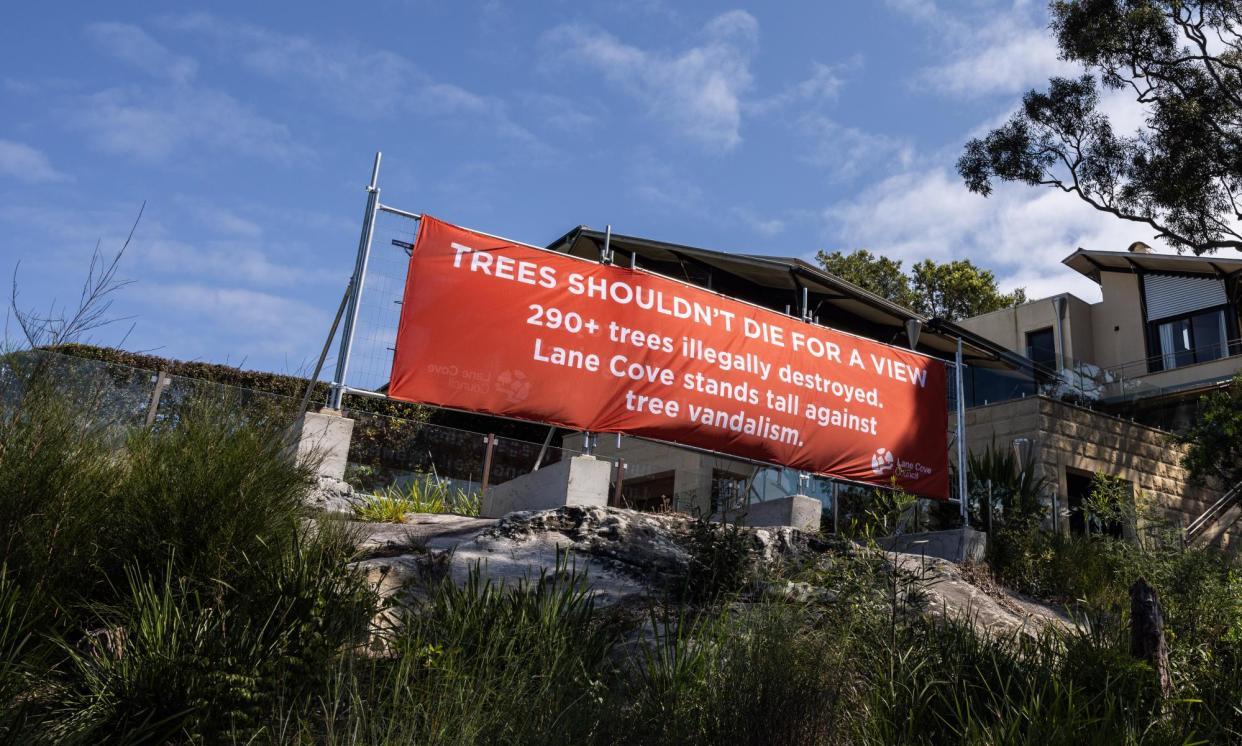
[1091,263]
[829,293]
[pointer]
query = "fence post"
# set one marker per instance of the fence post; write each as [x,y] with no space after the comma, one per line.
[339,381]
[487,463]
[161,382]
[620,481]
[961,434]
[836,507]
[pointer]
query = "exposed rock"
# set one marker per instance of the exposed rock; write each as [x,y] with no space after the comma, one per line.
[950,594]
[333,496]
[633,557]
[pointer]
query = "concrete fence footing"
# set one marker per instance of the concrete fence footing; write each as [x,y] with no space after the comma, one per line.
[579,480]
[325,436]
[796,511]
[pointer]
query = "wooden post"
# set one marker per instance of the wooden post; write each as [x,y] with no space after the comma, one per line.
[616,499]
[487,462]
[1147,641]
[161,382]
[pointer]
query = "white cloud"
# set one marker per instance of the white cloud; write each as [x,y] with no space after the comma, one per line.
[823,85]
[157,122]
[1021,233]
[361,82]
[666,189]
[766,226]
[698,92]
[131,44]
[254,323]
[847,152]
[1021,58]
[994,48]
[26,164]
[227,260]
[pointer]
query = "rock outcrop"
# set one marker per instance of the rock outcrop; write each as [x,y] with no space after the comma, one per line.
[632,557]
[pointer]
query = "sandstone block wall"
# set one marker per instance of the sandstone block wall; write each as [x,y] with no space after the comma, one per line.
[1066,437]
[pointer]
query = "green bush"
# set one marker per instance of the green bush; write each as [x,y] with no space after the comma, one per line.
[722,562]
[423,494]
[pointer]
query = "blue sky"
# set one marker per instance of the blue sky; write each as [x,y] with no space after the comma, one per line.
[779,128]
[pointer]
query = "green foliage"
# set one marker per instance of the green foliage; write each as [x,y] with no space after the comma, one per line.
[1178,175]
[953,290]
[423,494]
[874,512]
[166,584]
[254,629]
[1214,437]
[1110,504]
[1015,490]
[878,274]
[722,561]
[958,290]
[478,663]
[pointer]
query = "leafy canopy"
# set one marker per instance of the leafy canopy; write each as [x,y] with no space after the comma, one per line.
[1215,437]
[952,290]
[1181,173]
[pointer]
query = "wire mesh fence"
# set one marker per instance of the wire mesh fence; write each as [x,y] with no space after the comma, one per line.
[379,307]
[390,453]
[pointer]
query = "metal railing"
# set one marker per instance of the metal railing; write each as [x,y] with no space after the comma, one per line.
[1210,516]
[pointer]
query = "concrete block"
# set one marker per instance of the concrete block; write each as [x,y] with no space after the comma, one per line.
[581,480]
[798,511]
[954,545]
[325,436]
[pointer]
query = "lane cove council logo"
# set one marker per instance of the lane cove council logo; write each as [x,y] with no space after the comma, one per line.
[514,385]
[882,462]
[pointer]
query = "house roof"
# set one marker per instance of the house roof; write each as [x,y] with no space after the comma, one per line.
[836,299]
[1092,263]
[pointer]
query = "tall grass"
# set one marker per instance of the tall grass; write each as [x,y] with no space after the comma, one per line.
[165,585]
[424,494]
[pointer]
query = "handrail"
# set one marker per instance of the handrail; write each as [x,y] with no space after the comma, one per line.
[1226,348]
[1209,516]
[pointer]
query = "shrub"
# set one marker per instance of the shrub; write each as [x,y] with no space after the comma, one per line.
[722,562]
[421,495]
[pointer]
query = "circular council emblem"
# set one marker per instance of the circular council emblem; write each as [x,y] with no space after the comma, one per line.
[882,461]
[514,385]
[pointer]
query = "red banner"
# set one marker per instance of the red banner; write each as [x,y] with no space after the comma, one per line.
[492,326]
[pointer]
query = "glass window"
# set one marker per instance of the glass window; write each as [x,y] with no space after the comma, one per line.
[1208,331]
[1041,347]
[1194,339]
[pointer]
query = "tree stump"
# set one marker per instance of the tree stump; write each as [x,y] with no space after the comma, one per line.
[1147,640]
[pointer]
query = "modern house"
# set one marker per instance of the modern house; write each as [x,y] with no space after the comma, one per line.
[1116,376]
[661,476]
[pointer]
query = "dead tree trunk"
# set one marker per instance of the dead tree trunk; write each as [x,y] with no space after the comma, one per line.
[1147,640]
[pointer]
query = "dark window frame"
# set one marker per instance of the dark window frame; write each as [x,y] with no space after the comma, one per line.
[1155,356]
[1051,363]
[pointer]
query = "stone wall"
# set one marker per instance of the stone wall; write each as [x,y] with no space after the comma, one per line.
[1066,437]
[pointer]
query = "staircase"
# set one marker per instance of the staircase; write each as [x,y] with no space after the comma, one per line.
[1217,519]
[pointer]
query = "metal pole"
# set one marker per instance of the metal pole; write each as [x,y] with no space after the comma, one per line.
[836,507]
[327,345]
[605,256]
[961,433]
[543,451]
[340,381]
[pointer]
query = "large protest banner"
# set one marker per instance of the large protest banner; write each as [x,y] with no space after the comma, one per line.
[492,326]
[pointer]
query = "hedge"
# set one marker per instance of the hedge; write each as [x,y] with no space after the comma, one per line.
[377,442]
